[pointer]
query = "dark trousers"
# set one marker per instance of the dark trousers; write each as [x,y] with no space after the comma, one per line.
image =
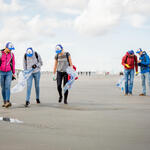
[62,76]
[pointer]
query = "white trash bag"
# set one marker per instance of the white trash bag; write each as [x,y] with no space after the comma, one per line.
[121,84]
[73,75]
[23,77]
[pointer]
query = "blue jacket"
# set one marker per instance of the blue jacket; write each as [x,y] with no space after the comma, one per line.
[145,62]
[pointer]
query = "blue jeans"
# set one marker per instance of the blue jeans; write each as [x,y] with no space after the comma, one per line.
[5,79]
[129,78]
[36,77]
[144,77]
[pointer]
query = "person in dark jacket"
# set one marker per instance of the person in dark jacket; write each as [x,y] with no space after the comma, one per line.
[129,61]
[62,61]
[144,62]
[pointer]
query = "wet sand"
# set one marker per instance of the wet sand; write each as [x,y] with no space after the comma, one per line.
[98,117]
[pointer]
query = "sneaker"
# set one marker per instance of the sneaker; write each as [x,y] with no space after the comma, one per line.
[27,104]
[125,94]
[60,99]
[8,104]
[38,101]
[142,94]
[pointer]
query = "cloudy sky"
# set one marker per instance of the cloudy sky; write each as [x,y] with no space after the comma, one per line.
[97,33]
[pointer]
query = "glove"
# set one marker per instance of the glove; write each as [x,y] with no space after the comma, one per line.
[34,66]
[13,78]
[54,77]
[136,73]
[127,65]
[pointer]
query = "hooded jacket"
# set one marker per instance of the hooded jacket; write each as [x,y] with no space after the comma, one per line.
[131,61]
[145,62]
[5,62]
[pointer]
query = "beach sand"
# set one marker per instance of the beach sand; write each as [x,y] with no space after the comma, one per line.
[98,117]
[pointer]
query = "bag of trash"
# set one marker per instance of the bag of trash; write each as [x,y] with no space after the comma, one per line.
[121,84]
[22,80]
[72,77]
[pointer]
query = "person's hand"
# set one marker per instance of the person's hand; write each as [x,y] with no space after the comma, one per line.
[34,66]
[139,61]
[127,65]
[136,73]
[13,77]
[54,77]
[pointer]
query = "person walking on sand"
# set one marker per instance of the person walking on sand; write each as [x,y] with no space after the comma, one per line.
[32,60]
[62,61]
[144,62]
[129,61]
[7,72]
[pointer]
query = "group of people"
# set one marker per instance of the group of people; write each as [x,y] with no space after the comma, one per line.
[32,60]
[131,62]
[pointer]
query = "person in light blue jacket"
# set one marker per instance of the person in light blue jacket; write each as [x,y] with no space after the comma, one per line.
[144,63]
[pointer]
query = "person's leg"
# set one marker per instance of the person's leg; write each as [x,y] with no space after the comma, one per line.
[3,87]
[126,81]
[59,82]
[131,81]
[148,80]
[143,84]
[66,93]
[8,80]
[37,87]
[29,86]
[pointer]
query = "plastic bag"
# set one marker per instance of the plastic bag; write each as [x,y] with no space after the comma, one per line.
[23,77]
[73,75]
[121,84]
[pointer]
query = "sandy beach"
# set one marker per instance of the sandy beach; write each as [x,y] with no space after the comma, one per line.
[98,117]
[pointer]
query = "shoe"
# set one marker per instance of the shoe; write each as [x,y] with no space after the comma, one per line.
[4,104]
[8,104]
[27,104]
[130,94]
[125,94]
[60,99]
[38,101]
[142,94]
[65,102]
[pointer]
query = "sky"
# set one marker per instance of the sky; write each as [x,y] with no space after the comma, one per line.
[97,33]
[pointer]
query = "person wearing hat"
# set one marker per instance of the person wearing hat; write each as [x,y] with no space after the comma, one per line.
[7,72]
[144,62]
[129,61]
[32,60]
[62,61]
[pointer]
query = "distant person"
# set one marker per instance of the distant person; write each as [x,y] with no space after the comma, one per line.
[144,62]
[129,61]
[62,61]
[7,72]
[32,60]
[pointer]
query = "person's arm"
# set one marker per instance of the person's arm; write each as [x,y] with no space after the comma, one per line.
[40,63]
[70,61]
[136,64]
[123,61]
[55,66]
[13,65]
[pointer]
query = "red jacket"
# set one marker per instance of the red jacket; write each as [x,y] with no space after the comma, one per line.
[5,62]
[131,61]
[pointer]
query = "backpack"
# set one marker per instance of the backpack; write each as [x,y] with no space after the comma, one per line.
[25,58]
[9,61]
[67,55]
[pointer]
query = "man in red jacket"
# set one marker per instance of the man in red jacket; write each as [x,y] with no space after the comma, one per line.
[129,61]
